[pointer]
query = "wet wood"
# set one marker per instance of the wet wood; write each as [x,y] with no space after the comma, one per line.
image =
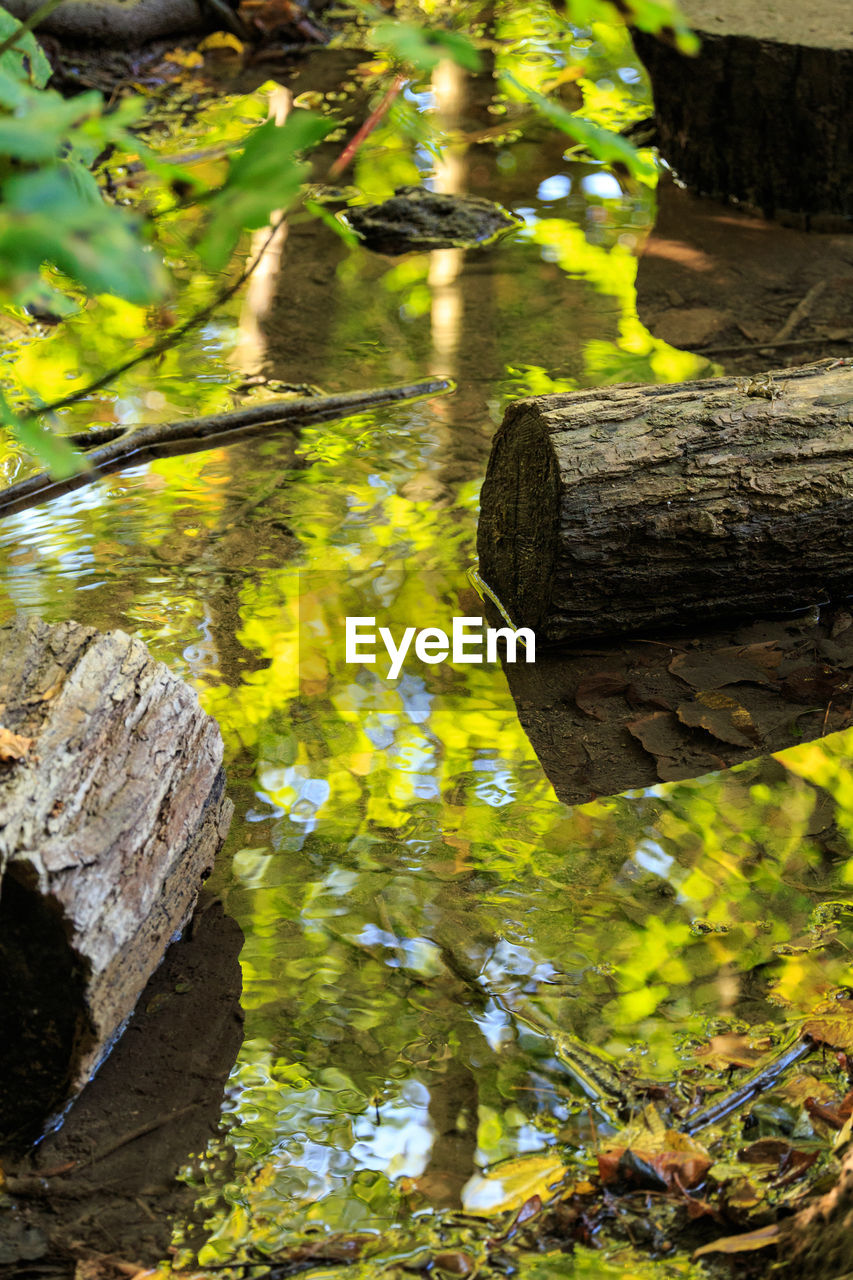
[630,508]
[764,113]
[119,23]
[113,809]
[108,1179]
[815,1243]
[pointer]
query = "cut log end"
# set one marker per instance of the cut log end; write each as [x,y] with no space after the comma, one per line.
[762,114]
[517,547]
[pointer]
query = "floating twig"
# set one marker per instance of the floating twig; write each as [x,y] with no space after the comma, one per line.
[135,446]
[759,1081]
[349,151]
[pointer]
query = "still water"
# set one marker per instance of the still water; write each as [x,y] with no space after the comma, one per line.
[411,892]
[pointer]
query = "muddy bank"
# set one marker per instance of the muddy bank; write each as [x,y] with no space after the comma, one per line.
[742,290]
[106,1182]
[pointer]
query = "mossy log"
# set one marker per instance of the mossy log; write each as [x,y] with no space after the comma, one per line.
[628,508]
[113,809]
[764,113]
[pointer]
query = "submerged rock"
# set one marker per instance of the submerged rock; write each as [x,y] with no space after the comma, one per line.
[417,219]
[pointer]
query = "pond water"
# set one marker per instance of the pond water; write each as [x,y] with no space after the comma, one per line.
[423,918]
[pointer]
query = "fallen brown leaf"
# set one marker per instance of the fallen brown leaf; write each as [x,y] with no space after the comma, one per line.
[819,683]
[742,664]
[833,1025]
[720,716]
[730,1051]
[14,746]
[647,1151]
[593,688]
[759,1239]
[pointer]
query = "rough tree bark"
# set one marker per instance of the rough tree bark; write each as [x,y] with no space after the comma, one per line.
[817,1243]
[764,113]
[615,510]
[118,23]
[112,809]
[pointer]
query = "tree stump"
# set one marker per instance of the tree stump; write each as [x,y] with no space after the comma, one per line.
[764,113]
[625,508]
[113,809]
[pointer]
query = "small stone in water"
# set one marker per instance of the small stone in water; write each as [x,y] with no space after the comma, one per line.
[417,219]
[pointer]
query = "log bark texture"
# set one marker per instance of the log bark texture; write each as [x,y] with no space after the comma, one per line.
[117,23]
[816,1243]
[626,508]
[112,810]
[764,113]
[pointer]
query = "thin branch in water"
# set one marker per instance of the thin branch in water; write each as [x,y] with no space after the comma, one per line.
[193,435]
[758,1082]
[349,151]
[735,347]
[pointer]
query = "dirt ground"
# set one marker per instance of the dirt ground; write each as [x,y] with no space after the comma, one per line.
[102,1191]
[748,293]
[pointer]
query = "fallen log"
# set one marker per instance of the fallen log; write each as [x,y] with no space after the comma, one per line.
[626,508]
[123,23]
[763,113]
[112,809]
[114,449]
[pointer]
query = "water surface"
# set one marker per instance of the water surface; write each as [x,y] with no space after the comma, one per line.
[410,889]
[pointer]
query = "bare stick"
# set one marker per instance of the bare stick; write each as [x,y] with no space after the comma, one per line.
[165,440]
[349,151]
[801,310]
[760,1080]
[846,336]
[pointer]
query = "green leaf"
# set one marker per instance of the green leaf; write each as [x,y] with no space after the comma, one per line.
[56,215]
[38,133]
[334,224]
[55,454]
[25,61]
[603,145]
[424,48]
[267,175]
[659,17]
